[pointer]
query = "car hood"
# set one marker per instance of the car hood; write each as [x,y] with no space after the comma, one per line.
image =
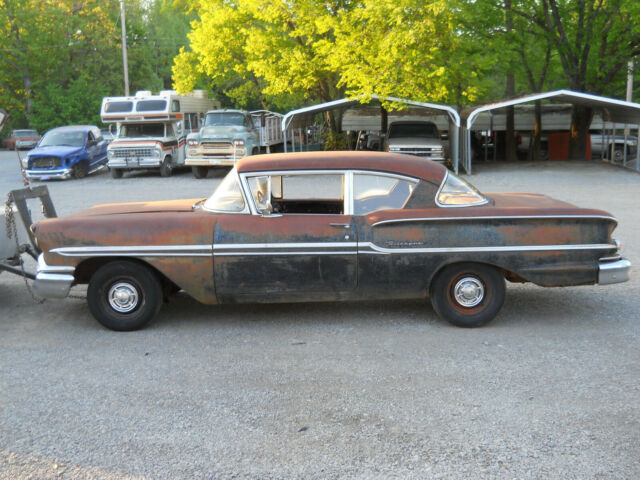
[421,142]
[185,205]
[54,150]
[222,131]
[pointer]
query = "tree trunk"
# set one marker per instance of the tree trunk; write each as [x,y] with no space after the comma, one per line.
[537,131]
[510,138]
[580,121]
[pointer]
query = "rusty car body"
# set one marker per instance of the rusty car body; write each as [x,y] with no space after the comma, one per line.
[327,226]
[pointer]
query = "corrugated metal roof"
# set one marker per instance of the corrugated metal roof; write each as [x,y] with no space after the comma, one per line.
[616,110]
[347,102]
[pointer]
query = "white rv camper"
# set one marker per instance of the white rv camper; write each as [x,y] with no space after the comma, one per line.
[151,129]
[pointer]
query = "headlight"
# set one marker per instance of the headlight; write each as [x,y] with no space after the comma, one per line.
[238,143]
[157,151]
[192,142]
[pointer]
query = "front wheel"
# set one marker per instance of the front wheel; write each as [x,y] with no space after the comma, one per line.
[80,169]
[199,171]
[468,294]
[124,296]
[166,169]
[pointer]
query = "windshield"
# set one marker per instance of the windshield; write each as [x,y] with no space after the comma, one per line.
[230,118]
[455,192]
[131,130]
[228,196]
[25,133]
[67,139]
[421,130]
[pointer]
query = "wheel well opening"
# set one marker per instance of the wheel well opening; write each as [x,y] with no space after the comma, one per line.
[88,267]
[507,274]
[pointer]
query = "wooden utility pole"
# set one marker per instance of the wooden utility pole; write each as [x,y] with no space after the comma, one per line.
[125,64]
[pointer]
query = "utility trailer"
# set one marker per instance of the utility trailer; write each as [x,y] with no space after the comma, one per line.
[16,237]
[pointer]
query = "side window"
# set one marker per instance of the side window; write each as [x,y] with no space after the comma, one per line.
[97,134]
[175,106]
[455,192]
[298,193]
[90,139]
[379,192]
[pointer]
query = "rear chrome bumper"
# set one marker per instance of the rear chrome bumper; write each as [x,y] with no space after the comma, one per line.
[53,281]
[616,271]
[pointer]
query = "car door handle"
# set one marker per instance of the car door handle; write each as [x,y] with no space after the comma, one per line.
[341,225]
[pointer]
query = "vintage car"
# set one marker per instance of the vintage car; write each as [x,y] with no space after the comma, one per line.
[75,150]
[21,139]
[326,226]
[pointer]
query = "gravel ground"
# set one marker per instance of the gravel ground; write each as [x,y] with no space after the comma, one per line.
[550,389]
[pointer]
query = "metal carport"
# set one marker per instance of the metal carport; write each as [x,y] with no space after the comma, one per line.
[454,117]
[613,110]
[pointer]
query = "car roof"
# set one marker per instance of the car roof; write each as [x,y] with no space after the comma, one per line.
[25,130]
[407,165]
[74,128]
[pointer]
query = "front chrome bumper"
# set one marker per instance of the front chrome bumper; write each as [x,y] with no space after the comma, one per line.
[41,174]
[141,163]
[213,161]
[616,271]
[53,281]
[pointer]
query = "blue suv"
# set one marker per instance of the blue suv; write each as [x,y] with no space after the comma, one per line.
[63,152]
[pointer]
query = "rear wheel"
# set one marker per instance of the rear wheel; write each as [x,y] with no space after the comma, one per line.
[80,169]
[115,172]
[166,169]
[124,296]
[468,294]
[199,171]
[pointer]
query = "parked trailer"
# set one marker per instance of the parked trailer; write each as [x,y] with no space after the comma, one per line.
[151,129]
[16,238]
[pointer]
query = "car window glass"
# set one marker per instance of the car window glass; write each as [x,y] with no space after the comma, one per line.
[228,196]
[455,192]
[261,192]
[299,193]
[379,192]
[133,130]
[230,118]
[58,138]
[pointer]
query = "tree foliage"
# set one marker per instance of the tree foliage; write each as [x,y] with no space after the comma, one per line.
[62,56]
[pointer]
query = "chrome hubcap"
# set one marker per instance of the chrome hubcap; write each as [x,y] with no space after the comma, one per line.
[123,297]
[469,292]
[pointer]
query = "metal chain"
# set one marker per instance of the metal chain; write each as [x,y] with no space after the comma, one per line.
[12,231]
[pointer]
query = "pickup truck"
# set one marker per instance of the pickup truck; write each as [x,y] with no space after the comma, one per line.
[229,135]
[601,144]
[420,138]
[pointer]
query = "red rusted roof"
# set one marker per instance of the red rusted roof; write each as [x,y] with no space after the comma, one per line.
[387,162]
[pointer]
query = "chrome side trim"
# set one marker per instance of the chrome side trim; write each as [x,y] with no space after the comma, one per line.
[284,252]
[373,248]
[254,246]
[613,272]
[136,250]
[490,217]
[299,248]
